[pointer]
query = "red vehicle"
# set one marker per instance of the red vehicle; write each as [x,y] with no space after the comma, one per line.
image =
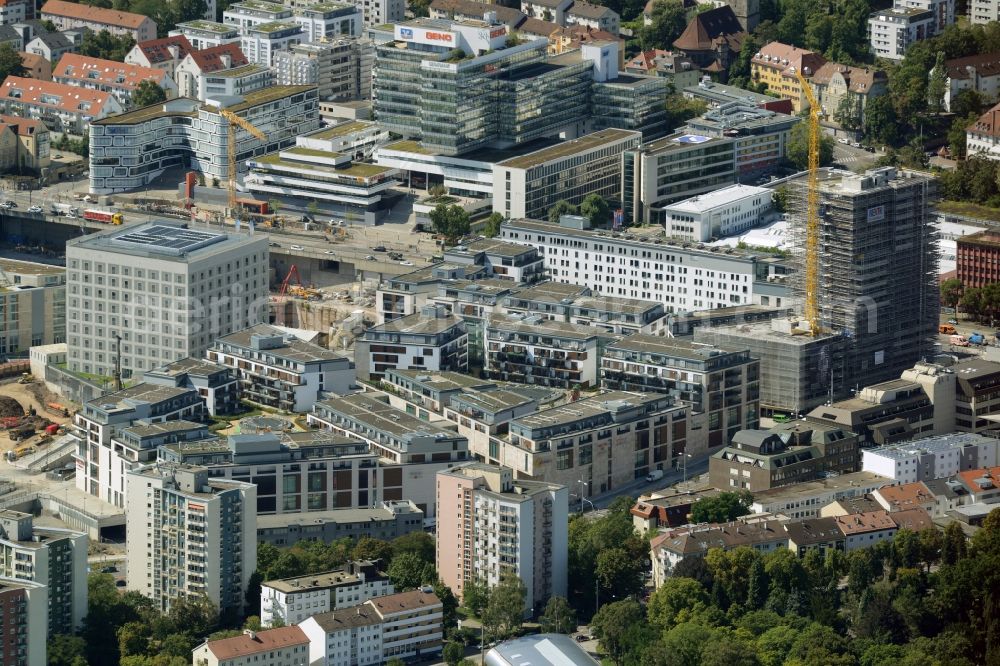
[102,216]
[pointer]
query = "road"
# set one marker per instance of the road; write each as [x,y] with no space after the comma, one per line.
[640,486]
[855,159]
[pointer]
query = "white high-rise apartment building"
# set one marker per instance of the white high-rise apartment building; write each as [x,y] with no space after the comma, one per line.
[168,291]
[489,525]
[188,535]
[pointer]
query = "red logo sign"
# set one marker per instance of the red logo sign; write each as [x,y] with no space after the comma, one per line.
[439,36]
[496,32]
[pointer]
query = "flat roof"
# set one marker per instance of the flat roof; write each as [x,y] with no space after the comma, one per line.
[603,303]
[189,365]
[572,147]
[292,349]
[534,323]
[928,445]
[582,409]
[446,380]
[207,26]
[353,169]
[383,417]
[166,240]
[551,292]
[539,650]
[165,427]
[151,393]
[975,369]
[158,110]
[496,246]
[685,348]
[683,140]
[418,324]
[702,202]
[258,97]
[493,400]
[16,266]
[343,129]
[323,580]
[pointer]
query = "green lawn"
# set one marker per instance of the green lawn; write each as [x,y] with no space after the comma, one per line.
[969,209]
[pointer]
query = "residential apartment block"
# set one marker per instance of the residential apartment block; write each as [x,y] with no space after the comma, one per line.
[119,79]
[647,266]
[33,303]
[389,520]
[165,53]
[33,149]
[216,384]
[490,526]
[807,498]
[418,448]
[292,600]
[206,34]
[721,384]
[160,290]
[789,453]
[278,370]
[55,558]
[219,70]
[187,534]
[103,459]
[285,646]
[23,610]
[535,350]
[281,112]
[932,458]
[341,68]
[432,340]
[405,625]
[62,107]
[559,302]
[71,15]
[776,66]
[529,185]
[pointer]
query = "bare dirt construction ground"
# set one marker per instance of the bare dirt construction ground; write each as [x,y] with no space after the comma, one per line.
[30,395]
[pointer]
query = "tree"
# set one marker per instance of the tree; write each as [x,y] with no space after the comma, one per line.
[618,573]
[419,7]
[957,135]
[968,102]
[505,610]
[475,597]
[492,227]
[953,546]
[937,84]
[313,209]
[450,220]
[449,604]
[729,650]
[407,571]
[148,93]
[673,600]
[66,650]
[721,508]
[612,623]
[758,586]
[369,548]
[559,617]
[951,292]
[419,543]
[395,661]
[798,146]
[848,112]
[680,109]
[595,209]
[105,45]
[453,653]
[560,208]
[11,63]
[667,21]
[972,302]
[880,127]
[274,205]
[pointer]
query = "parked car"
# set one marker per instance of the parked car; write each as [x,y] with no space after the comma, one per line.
[952,321]
[369,257]
[273,244]
[35,209]
[406,263]
[378,248]
[297,248]
[329,252]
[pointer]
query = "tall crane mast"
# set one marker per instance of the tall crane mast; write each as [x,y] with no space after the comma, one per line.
[234,122]
[812,210]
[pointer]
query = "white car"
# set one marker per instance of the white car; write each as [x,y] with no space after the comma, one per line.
[406,263]
[844,141]
[297,248]
[35,209]
[329,252]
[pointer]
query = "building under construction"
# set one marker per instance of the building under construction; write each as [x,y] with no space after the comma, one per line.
[877,291]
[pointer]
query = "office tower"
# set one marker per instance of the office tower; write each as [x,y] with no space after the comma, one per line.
[168,291]
[188,535]
[23,620]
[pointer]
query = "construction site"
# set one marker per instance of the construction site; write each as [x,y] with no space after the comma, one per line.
[865,285]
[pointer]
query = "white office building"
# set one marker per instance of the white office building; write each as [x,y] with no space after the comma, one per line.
[726,212]
[292,600]
[160,290]
[188,535]
[261,42]
[891,31]
[684,278]
[330,20]
[206,34]
[931,458]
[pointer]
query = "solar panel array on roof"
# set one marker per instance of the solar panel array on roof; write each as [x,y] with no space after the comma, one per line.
[168,239]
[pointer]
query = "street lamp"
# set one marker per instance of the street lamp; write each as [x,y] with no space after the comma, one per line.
[686,456]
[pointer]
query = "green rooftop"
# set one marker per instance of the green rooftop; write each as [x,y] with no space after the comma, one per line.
[312,152]
[258,97]
[261,5]
[326,7]
[144,114]
[354,170]
[239,71]
[274,26]
[208,26]
[342,130]
[410,146]
[566,149]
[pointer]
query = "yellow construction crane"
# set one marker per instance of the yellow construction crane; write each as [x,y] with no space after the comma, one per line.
[812,210]
[234,122]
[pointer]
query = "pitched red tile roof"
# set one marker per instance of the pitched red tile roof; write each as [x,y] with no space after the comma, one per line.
[860,80]
[861,523]
[986,64]
[905,496]
[789,59]
[25,126]
[69,98]
[158,50]
[210,59]
[106,72]
[988,123]
[912,519]
[404,601]
[261,641]
[93,14]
